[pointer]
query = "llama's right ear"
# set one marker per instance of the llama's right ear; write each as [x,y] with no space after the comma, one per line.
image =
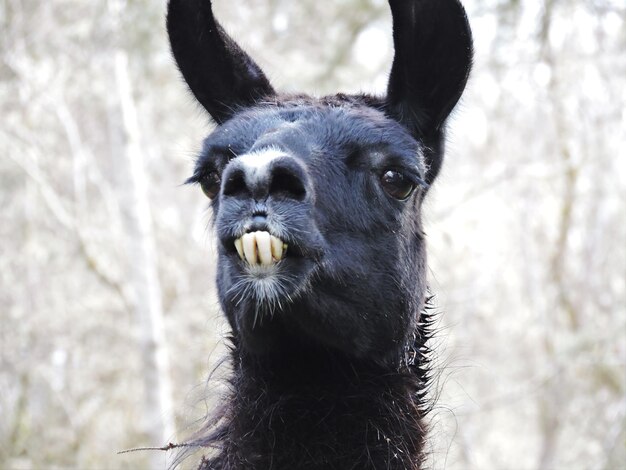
[433,58]
[221,76]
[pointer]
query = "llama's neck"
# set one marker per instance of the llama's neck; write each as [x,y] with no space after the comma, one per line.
[313,409]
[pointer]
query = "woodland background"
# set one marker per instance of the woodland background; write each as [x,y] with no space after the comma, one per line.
[108,320]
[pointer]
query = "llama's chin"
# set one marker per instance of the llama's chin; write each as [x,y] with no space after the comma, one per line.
[256,298]
[266,289]
[262,272]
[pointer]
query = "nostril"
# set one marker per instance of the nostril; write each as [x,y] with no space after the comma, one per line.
[235,185]
[286,182]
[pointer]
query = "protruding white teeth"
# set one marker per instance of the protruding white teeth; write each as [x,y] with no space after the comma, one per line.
[264,249]
[249,247]
[260,248]
[277,247]
[239,246]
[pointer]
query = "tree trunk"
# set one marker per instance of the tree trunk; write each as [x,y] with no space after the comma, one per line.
[158,417]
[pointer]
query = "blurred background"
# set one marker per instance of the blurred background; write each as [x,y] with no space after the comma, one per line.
[109,325]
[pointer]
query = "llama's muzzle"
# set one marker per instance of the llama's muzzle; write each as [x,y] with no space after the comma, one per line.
[260,248]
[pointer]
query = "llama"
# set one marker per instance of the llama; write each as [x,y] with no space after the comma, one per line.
[316,207]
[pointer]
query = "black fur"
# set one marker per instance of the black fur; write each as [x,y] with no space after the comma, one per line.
[324,411]
[433,44]
[328,348]
[221,76]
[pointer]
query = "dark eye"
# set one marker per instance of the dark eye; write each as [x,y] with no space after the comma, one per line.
[396,184]
[210,184]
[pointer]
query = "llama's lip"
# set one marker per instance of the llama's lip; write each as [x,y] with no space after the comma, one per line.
[260,248]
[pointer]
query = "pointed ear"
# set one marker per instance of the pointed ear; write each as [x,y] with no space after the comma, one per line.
[433,58]
[221,76]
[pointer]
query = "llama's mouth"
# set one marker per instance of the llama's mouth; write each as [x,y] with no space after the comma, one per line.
[260,248]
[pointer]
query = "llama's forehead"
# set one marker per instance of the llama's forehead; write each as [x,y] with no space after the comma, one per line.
[307,130]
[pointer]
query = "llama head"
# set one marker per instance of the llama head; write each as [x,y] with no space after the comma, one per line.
[316,202]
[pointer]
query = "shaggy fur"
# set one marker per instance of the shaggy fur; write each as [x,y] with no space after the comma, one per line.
[298,411]
[328,345]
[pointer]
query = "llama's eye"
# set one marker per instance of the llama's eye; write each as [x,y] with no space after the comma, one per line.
[210,184]
[397,185]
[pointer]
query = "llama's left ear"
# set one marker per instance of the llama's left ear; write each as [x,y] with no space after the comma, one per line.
[433,58]
[222,77]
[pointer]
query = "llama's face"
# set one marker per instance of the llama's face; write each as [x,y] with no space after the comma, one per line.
[338,190]
[316,203]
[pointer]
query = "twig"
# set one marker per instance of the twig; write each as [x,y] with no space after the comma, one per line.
[169,446]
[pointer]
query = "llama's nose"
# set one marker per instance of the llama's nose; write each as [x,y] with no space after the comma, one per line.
[260,175]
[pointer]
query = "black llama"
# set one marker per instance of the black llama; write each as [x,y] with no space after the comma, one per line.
[321,272]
